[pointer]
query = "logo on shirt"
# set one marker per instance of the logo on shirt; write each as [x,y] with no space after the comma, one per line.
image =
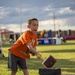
[32,41]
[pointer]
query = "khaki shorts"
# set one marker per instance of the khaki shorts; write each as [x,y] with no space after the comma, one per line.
[14,62]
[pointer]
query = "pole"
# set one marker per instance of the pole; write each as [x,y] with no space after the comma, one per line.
[0,30]
[0,39]
[20,19]
[54,23]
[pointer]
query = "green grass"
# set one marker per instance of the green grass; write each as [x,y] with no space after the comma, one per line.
[65,55]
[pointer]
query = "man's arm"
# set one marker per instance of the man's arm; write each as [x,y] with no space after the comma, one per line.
[33,50]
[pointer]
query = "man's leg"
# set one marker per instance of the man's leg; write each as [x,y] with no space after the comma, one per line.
[13,72]
[22,65]
[25,71]
[12,63]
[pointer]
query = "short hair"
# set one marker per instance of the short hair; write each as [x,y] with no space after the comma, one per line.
[30,20]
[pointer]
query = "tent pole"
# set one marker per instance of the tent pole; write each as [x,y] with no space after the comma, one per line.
[0,39]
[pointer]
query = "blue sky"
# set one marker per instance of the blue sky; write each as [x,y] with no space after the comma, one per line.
[44,11]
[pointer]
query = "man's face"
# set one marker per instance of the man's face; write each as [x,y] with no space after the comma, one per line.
[34,26]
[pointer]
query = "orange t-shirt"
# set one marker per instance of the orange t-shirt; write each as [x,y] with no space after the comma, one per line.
[19,48]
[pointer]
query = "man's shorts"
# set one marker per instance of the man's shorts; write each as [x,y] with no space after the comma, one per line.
[14,62]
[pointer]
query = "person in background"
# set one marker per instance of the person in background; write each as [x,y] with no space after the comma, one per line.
[21,49]
[57,35]
[46,35]
[39,36]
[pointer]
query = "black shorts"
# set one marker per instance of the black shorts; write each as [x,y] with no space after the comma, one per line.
[14,62]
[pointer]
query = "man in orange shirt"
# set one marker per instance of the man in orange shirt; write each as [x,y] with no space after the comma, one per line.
[21,49]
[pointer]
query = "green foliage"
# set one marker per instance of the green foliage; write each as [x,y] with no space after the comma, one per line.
[64,53]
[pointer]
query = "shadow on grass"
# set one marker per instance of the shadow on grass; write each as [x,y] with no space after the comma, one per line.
[35,64]
[56,44]
[58,51]
[65,65]
[8,45]
[3,59]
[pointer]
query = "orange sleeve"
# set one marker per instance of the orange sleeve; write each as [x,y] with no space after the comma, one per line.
[25,38]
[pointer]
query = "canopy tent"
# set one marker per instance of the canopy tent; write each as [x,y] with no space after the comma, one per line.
[5,31]
[2,36]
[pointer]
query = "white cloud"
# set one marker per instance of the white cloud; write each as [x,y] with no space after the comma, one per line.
[15,27]
[4,12]
[22,9]
[46,25]
[65,10]
[48,8]
[64,14]
[62,24]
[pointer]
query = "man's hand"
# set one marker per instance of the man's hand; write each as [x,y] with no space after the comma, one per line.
[38,55]
[32,54]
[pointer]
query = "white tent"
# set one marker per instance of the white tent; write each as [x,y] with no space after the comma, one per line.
[1,55]
[3,32]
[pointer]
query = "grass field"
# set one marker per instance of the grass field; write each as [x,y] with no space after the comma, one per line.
[64,53]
